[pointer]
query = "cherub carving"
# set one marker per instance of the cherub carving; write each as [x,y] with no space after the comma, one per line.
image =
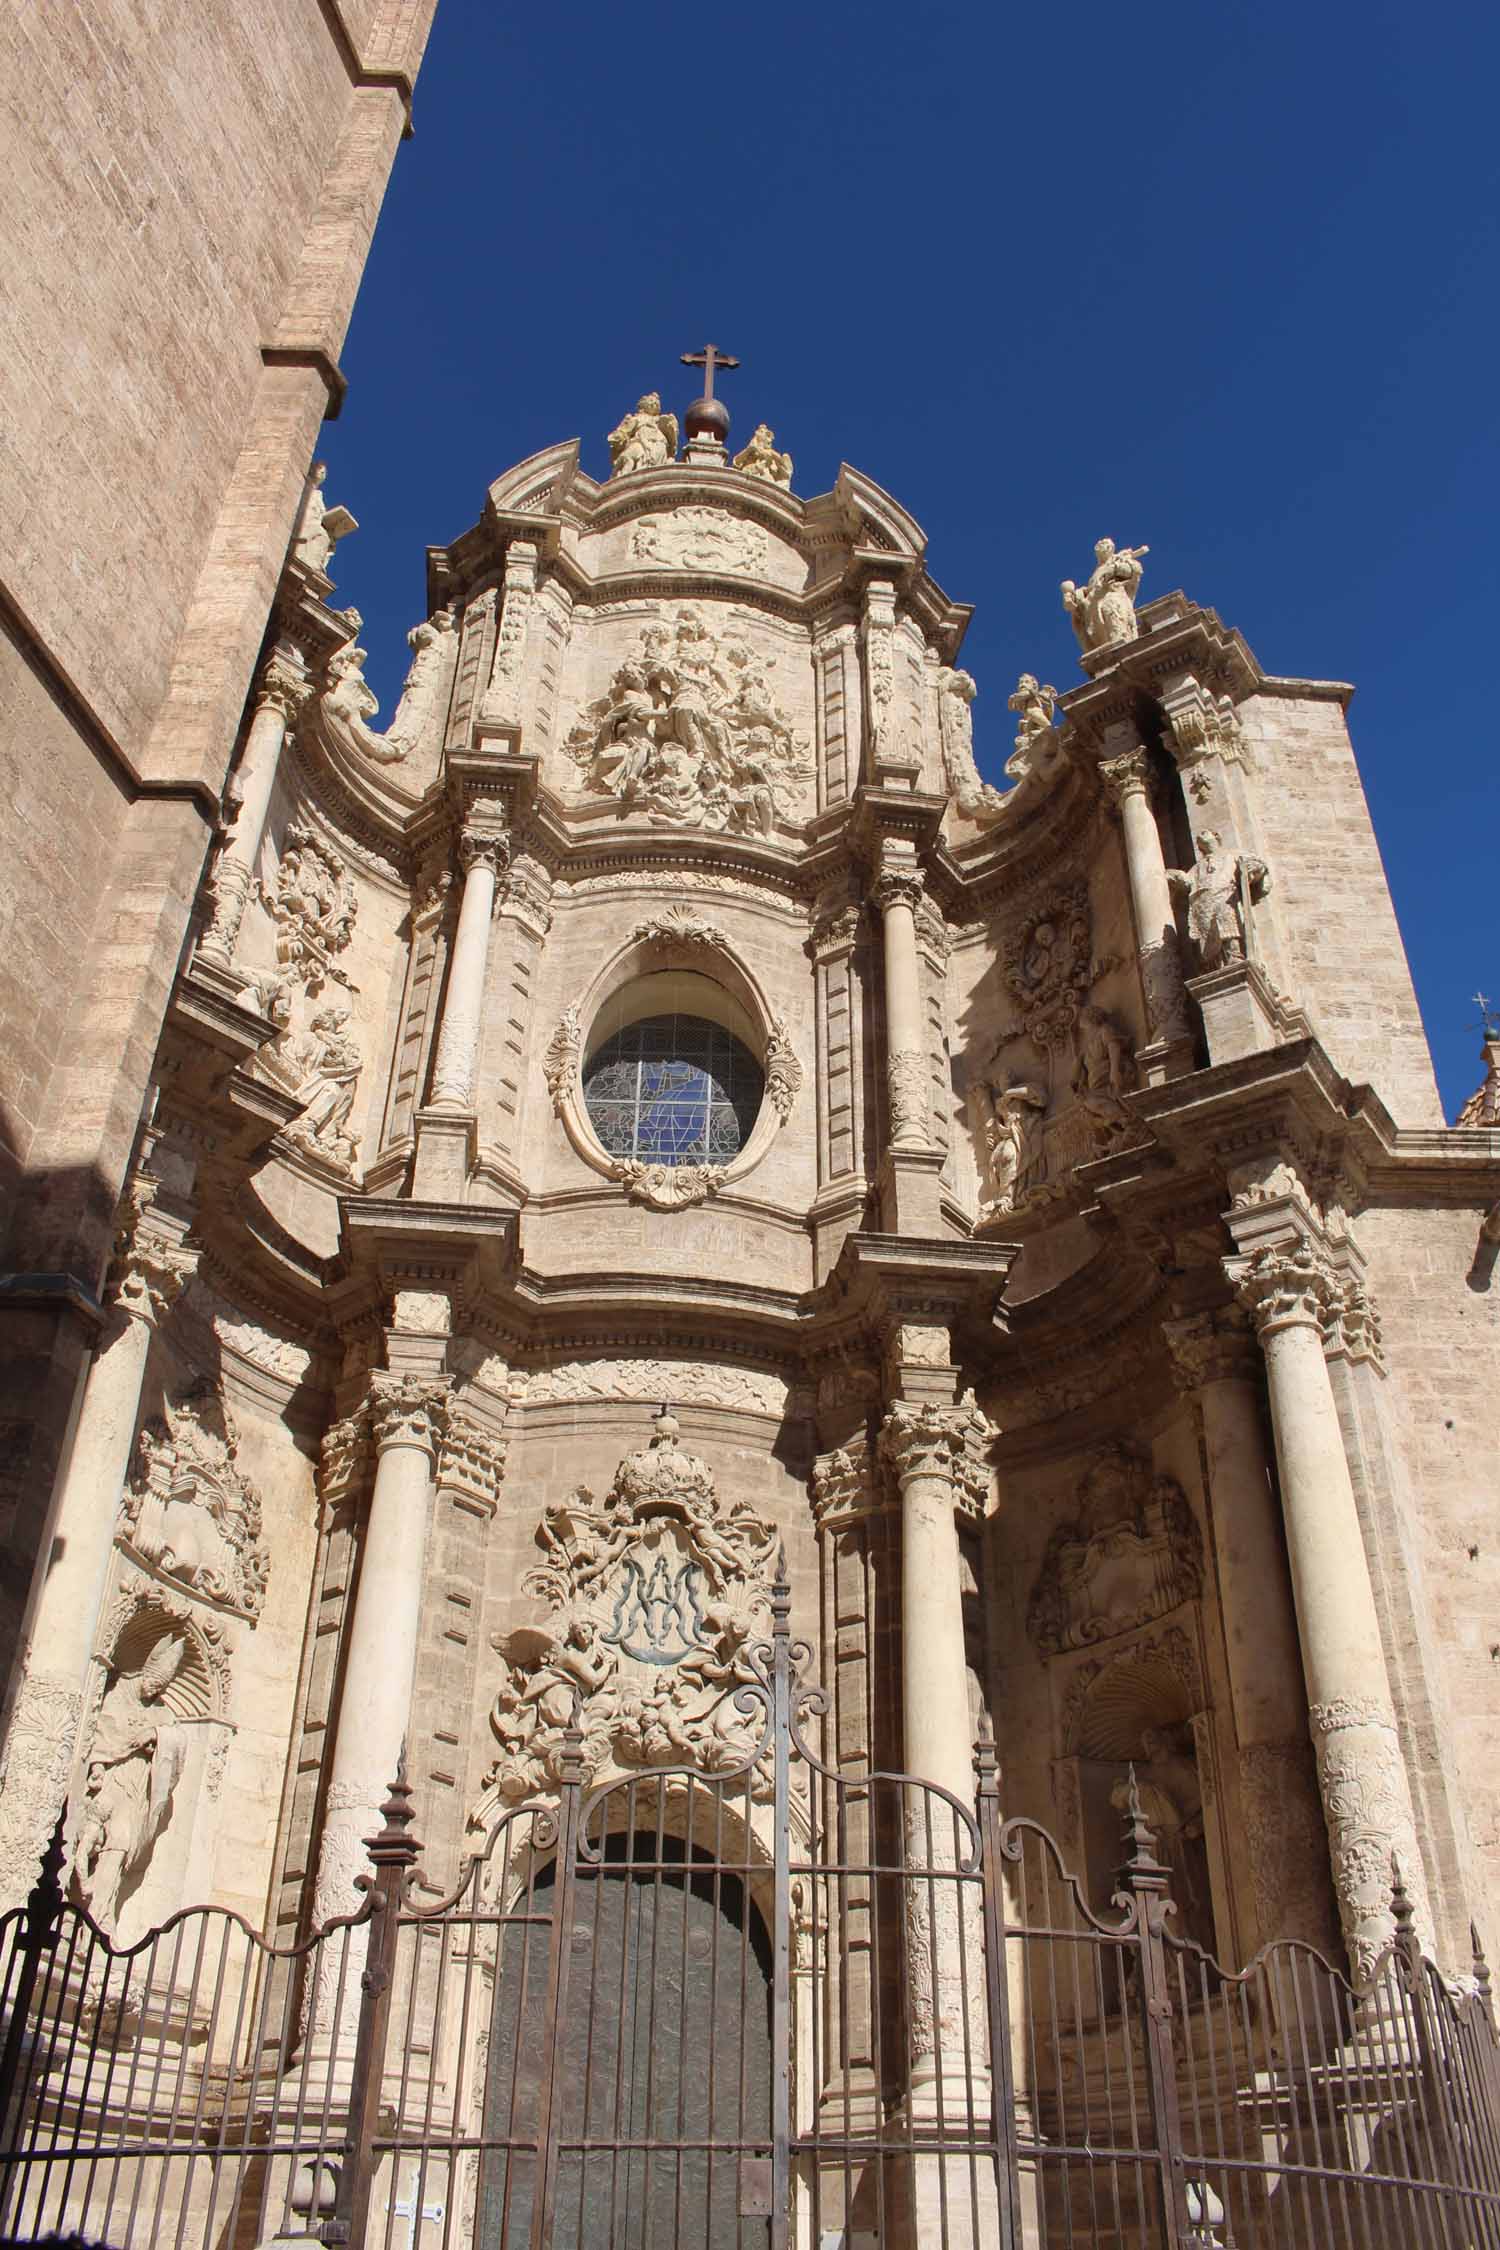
[644,439]
[1103,611]
[1219,890]
[761,459]
[1036,736]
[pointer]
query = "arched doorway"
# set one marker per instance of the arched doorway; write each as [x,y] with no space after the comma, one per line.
[662,2098]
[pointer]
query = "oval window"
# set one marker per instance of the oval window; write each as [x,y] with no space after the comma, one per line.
[673,1089]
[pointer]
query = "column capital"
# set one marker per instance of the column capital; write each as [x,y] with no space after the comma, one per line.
[152,1263]
[1285,1285]
[844,1489]
[941,1441]
[471,1462]
[898,886]
[481,843]
[1127,774]
[1210,1347]
[1352,1330]
[408,1410]
[283,685]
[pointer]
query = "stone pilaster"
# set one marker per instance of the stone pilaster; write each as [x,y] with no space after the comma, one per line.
[407,1418]
[279,695]
[501,712]
[152,1267]
[1290,1291]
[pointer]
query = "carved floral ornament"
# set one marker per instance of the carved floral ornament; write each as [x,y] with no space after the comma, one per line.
[1130,1551]
[650,1599]
[313,902]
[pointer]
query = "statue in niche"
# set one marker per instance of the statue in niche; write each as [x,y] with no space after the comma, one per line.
[1171,1798]
[644,439]
[330,1065]
[1220,890]
[1103,611]
[134,1761]
[1130,1551]
[1013,1146]
[348,703]
[761,459]
[1036,735]
[1103,1073]
[319,528]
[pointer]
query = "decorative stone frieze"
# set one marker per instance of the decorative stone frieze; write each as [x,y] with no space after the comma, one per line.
[651,1598]
[690,734]
[692,1383]
[188,1511]
[1130,1551]
[702,539]
[313,902]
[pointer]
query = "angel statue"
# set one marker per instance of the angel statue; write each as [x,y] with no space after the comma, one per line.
[645,439]
[761,459]
[1103,611]
[134,1762]
[1036,708]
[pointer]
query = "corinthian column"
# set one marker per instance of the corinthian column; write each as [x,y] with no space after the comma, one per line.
[897,893]
[151,1271]
[407,1416]
[279,695]
[937,1455]
[1126,778]
[1289,1291]
[484,853]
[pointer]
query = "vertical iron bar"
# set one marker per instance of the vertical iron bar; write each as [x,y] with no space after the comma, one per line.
[1002,2086]
[781,1976]
[570,1786]
[1148,1882]
[36,1935]
[393,1853]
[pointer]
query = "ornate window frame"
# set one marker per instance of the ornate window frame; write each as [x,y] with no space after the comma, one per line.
[683,963]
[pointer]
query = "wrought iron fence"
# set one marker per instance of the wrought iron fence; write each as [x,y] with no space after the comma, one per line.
[741,2010]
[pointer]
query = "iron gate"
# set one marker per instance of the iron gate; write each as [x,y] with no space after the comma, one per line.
[738,2010]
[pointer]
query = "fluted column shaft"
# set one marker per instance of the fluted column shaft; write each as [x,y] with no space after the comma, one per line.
[483,855]
[897,894]
[1366,1797]
[279,697]
[60,1644]
[407,1417]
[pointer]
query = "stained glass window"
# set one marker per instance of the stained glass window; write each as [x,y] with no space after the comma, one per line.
[673,1090]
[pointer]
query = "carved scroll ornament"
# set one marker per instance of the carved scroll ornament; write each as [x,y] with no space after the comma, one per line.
[1130,1552]
[651,1597]
[313,904]
[189,1512]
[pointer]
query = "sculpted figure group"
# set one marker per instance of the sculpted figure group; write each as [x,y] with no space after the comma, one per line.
[647,438]
[692,735]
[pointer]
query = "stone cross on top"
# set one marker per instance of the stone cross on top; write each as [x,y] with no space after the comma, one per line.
[707,419]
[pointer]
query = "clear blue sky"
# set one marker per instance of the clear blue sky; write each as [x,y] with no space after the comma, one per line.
[1222,279]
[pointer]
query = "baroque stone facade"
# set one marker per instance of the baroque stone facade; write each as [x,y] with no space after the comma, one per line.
[687,1058]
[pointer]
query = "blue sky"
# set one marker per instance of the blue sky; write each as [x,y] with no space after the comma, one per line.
[1217,279]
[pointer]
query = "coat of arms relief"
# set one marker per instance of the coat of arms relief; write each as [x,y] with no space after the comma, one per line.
[652,1598]
[691,734]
